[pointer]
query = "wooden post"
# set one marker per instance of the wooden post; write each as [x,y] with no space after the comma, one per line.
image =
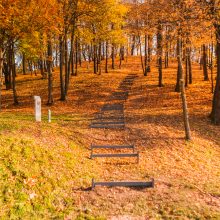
[49,116]
[37,108]
[185,111]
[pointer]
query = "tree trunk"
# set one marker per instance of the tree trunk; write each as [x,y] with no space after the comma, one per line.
[76,57]
[211,67]
[50,76]
[113,56]
[159,54]
[24,63]
[9,83]
[215,115]
[190,67]
[185,111]
[95,59]
[145,55]
[186,67]
[1,75]
[106,57]
[205,69]
[66,63]
[13,70]
[62,91]
[179,59]
[133,45]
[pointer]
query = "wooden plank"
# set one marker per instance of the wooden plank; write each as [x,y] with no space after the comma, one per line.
[142,184]
[112,147]
[120,93]
[114,155]
[112,108]
[116,106]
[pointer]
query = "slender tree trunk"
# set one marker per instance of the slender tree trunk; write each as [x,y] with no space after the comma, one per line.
[76,56]
[159,54]
[215,115]
[113,56]
[95,58]
[149,52]
[24,63]
[185,111]
[13,70]
[66,63]
[190,67]
[205,69]
[106,57]
[179,59]
[62,91]
[79,53]
[201,58]
[142,61]
[42,67]
[211,67]
[50,75]
[56,58]
[145,55]
[121,55]
[73,60]
[9,85]
[133,45]
[183,94]
[6,71]
[186,69]
[1,75]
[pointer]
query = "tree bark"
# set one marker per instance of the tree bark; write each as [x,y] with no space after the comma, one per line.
[95,58]
[66,63]
[215,114]
[205,69]
[179,59]
[50,75]
[113,56]
[145,55]
[185,111]
[211,66]
[1,75]
[190,67]
[24,63]
[106,57]
[13,71]
[62,91]
[159,54]
[149,52]
[186,70]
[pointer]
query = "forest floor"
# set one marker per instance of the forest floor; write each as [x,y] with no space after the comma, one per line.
[45,170]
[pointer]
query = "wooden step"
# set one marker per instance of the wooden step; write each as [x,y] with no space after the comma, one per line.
[141,184]
[112,147]
[115,156]
[113,107]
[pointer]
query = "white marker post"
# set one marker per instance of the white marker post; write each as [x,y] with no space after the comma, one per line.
[37,100]
[49,116]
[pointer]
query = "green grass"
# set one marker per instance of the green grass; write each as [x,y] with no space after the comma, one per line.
[37,181]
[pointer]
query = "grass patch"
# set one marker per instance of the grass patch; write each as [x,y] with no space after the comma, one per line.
[37,182]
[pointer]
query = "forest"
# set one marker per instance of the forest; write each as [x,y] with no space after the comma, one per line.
[113,76]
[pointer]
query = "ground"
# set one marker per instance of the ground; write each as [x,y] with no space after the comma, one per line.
[46,173]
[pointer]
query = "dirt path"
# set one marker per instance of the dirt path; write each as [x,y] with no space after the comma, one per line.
[155,127]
